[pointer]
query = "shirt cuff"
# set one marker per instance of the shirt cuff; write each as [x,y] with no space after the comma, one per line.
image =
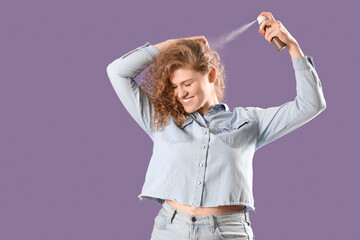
[303,63]
[149,49]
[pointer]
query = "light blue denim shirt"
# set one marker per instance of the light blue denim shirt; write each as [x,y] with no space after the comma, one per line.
[208,161]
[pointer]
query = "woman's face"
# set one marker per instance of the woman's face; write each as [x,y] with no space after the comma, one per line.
[194,90]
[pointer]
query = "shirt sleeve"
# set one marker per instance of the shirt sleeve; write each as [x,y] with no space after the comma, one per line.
[122,72]
[275,122]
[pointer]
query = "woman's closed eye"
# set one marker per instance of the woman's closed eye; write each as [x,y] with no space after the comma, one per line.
[184,84]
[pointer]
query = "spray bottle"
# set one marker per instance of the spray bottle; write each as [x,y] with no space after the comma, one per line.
[280,45]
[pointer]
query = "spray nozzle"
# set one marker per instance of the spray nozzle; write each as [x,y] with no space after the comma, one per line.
[260,19]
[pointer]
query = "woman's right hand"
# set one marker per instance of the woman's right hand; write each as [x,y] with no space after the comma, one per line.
[166,43]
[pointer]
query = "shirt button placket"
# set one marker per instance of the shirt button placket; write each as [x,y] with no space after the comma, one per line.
[200,173]
[203,147]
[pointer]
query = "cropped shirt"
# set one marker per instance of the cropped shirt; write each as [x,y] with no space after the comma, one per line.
[207,162]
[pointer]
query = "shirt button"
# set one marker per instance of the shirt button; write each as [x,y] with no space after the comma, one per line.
[203,146]
[208,114]
[198,182]
[200,164]
[205,132]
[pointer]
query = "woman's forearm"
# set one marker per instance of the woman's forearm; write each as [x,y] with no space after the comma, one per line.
[294,50]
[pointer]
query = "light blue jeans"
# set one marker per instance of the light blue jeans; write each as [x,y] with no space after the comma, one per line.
[176,225]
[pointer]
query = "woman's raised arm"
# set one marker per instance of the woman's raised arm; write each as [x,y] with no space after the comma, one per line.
[122,72]
[275,122]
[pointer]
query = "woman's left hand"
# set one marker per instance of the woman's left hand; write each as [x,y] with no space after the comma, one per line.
[276,29]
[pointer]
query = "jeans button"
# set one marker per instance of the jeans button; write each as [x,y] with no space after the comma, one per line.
[193,219]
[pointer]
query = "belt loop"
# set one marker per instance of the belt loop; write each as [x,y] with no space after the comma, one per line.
[212,223]
[170,216]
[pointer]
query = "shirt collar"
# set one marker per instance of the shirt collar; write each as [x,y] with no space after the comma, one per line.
[189,119]
[221,106]
[215,109]
[218,108]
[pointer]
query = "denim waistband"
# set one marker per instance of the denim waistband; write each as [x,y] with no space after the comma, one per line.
[172,212]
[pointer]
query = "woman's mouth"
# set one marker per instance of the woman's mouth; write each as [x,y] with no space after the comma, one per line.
[187,101]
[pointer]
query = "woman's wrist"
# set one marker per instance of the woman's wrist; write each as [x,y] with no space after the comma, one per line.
[163,45]
[295,50]
[159,46]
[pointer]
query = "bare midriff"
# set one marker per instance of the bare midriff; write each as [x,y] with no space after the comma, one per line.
[191,210]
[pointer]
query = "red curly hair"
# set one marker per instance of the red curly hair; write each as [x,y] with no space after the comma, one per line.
[156,83]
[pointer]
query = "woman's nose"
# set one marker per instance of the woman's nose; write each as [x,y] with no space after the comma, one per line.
[182,93]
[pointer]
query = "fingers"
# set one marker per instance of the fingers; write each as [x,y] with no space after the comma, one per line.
[263,25]
[276,30]
[203,39]
[266,23]
[268,15]
[271,33]
[271,28]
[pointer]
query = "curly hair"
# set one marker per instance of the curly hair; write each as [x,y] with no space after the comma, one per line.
[156,84]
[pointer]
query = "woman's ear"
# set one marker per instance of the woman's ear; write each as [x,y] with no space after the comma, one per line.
[212,75]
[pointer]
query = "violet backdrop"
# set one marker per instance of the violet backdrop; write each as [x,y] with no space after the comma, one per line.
[72,160]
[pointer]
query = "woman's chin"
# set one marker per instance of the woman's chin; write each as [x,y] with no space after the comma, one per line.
[190,110]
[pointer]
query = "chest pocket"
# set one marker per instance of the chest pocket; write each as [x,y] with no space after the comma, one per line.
[175,134]
[235,134]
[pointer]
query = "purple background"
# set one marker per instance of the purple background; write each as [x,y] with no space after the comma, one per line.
[72,160]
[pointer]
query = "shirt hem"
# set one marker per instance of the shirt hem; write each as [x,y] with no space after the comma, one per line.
[161,200]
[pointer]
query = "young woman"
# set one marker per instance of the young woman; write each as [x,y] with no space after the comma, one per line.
[201,166]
